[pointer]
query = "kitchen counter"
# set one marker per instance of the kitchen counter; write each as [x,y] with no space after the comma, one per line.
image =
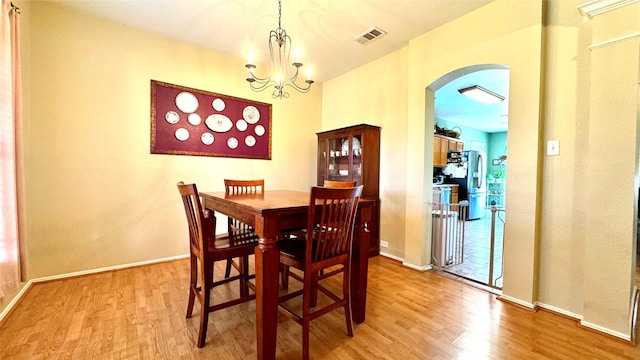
[451,193]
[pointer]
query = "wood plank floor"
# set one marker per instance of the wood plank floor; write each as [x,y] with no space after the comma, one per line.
[138,313]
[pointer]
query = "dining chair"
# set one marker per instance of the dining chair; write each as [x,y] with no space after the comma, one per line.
[205,248]
[329,237]
[236,228]
[339,184]
[301,233]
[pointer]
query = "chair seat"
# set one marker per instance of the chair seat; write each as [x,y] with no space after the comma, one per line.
[222,242]
[294,248]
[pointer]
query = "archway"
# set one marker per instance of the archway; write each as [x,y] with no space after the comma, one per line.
[470,246]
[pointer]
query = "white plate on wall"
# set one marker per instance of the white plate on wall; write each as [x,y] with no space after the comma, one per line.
[187,102]
[251,114]
[182,134]
[194,119]
[207,138]
[219,123]
[218,104]
[250,140]
[241,125]
[172,117]
[232,143]
[259,130]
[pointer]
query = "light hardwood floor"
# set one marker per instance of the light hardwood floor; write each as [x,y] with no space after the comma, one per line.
[138,313]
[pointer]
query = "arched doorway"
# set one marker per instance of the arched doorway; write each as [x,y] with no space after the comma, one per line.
[473,171]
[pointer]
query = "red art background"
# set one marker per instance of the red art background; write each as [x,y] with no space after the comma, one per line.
[163,138]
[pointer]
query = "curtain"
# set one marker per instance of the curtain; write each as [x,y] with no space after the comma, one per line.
[9,123]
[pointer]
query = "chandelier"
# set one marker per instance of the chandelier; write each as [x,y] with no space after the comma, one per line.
[282,74]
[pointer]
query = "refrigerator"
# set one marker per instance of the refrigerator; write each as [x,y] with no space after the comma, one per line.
[471,176]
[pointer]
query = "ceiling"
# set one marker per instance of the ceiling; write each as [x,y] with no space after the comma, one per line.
[323,30]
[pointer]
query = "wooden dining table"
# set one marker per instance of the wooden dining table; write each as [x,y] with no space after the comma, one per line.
[269,214]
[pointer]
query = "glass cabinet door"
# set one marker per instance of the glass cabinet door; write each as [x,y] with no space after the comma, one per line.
[356,158]
[338,163]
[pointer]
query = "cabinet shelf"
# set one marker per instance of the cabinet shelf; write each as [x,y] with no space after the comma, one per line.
[495,194]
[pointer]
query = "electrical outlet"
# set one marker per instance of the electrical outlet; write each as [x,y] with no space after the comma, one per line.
[384,243]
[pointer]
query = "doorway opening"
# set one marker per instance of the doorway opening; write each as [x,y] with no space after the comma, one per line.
[470,163]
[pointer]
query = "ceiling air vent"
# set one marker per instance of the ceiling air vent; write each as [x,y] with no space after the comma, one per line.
[370,35]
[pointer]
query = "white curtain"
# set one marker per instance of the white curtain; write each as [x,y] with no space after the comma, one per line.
[10,109]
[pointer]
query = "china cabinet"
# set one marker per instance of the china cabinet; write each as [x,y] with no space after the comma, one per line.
[353,154]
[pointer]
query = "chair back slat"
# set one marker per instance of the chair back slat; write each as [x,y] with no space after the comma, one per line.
[196,221]
[332,213]
[242,187]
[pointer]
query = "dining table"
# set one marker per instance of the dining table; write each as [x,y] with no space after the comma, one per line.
[270,213]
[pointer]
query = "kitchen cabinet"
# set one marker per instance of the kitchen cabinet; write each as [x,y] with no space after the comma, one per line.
[353,154]
[441,147]
[454,194]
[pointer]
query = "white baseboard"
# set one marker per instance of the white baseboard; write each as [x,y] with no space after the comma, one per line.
[568,314]
[391,256]
[109,268]
[517,301]
[15,300]
[409,265]
[31,282]
[417,267]
[559,311]
[605,330]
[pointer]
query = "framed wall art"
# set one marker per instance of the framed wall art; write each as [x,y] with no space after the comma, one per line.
[187,121]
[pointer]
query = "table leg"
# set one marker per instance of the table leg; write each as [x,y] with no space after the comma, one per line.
[267,263]
[360,265]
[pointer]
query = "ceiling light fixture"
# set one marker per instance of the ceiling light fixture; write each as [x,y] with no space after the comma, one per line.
[479,93]
[282,74]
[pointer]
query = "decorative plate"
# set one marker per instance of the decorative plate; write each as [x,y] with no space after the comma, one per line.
[259,130]
[207,138]
[182,134]
[218,104]
[232,143]
[187,102]
[194,119]
[251,114]
[250,140]
[172,117]
[241,125]
[354,146]
[219,123]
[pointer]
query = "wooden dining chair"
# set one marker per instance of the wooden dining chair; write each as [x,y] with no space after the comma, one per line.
[205,248]
[236,228]
[329,237]
[301,233]
[339,184]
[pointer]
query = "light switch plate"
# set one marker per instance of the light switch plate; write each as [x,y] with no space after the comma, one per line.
[553,147]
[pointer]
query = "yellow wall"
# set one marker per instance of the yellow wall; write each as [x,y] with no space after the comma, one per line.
[95,196]
[569,243]
[376,95]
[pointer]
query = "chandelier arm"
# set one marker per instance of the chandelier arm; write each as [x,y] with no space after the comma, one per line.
[298,87]
[260,86]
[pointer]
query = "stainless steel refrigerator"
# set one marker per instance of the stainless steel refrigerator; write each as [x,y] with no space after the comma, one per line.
[471,178]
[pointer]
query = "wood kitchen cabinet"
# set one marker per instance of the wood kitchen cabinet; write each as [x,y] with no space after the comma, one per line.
[441,147]
[353,154]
